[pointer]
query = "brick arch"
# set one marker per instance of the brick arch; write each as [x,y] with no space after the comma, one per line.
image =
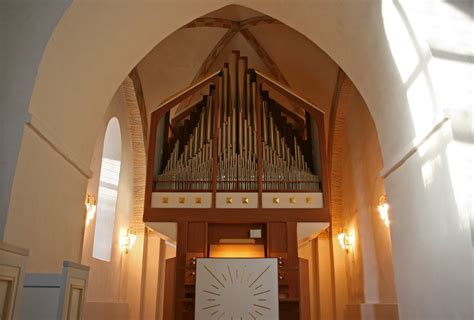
[137,125]
[337,124]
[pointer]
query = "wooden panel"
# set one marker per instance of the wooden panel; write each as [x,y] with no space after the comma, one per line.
[277,234]
[289,310]
[292,244]
[181,250]
[305,313]
[196,237]
[323,160]
[168,304]
[292,278]
[236,215]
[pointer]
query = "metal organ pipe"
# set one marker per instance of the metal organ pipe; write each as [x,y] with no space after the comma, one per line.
[283,163]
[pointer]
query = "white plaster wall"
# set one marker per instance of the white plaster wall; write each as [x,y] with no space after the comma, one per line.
[108,279]
[340,278]
[374,237]
[318,254]
[173,63]
[365,273]
[353,260]
[430,237]
[305,251]
[152,285]
[25,28]
[433,193]
[135,278]
[46,207]
[325,278]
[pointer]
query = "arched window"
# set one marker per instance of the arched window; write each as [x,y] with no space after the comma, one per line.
[108,191]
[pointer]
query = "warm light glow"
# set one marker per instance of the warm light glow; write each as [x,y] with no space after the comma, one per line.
[91,207]
[127,241]
[383,209]
[346,240]
[236,251]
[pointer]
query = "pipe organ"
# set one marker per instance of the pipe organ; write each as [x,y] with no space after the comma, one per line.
[229,156]
[232,121]
[189,161]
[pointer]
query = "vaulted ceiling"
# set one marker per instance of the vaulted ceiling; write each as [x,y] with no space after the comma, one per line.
[204,45]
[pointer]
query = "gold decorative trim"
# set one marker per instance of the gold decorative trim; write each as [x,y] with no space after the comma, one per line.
[198,200]
[181,200]
[292,200]
[276,200]
[309,200]
[164,200]
[245,200]
[228,200]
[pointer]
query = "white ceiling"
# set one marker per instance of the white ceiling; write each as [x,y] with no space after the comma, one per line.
[234,13]
[173,64]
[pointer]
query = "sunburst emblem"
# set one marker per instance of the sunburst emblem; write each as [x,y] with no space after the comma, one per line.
[238,291]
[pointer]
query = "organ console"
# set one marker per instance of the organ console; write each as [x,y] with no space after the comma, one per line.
[237,159]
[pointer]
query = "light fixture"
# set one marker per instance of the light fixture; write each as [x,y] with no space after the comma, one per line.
[127,240]
[346,240]
[383,209]
[91,207]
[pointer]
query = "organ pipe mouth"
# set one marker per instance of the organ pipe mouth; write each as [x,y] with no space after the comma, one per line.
[237,138]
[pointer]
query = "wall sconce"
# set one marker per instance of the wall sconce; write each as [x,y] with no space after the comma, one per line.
[127,241]
[91,207]
[383,209]
[346,240]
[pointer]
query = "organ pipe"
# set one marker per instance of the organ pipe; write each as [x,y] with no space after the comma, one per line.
[189,165]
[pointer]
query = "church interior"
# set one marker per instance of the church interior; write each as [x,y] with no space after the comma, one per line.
[240,159]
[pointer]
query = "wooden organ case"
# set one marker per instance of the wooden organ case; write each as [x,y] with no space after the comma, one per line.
[247,154]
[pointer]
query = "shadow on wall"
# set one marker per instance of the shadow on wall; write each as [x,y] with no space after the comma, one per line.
[431,227]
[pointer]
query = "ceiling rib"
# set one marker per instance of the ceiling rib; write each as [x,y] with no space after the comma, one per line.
[235,27]
[268,61]
[230,24]
[207,63]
